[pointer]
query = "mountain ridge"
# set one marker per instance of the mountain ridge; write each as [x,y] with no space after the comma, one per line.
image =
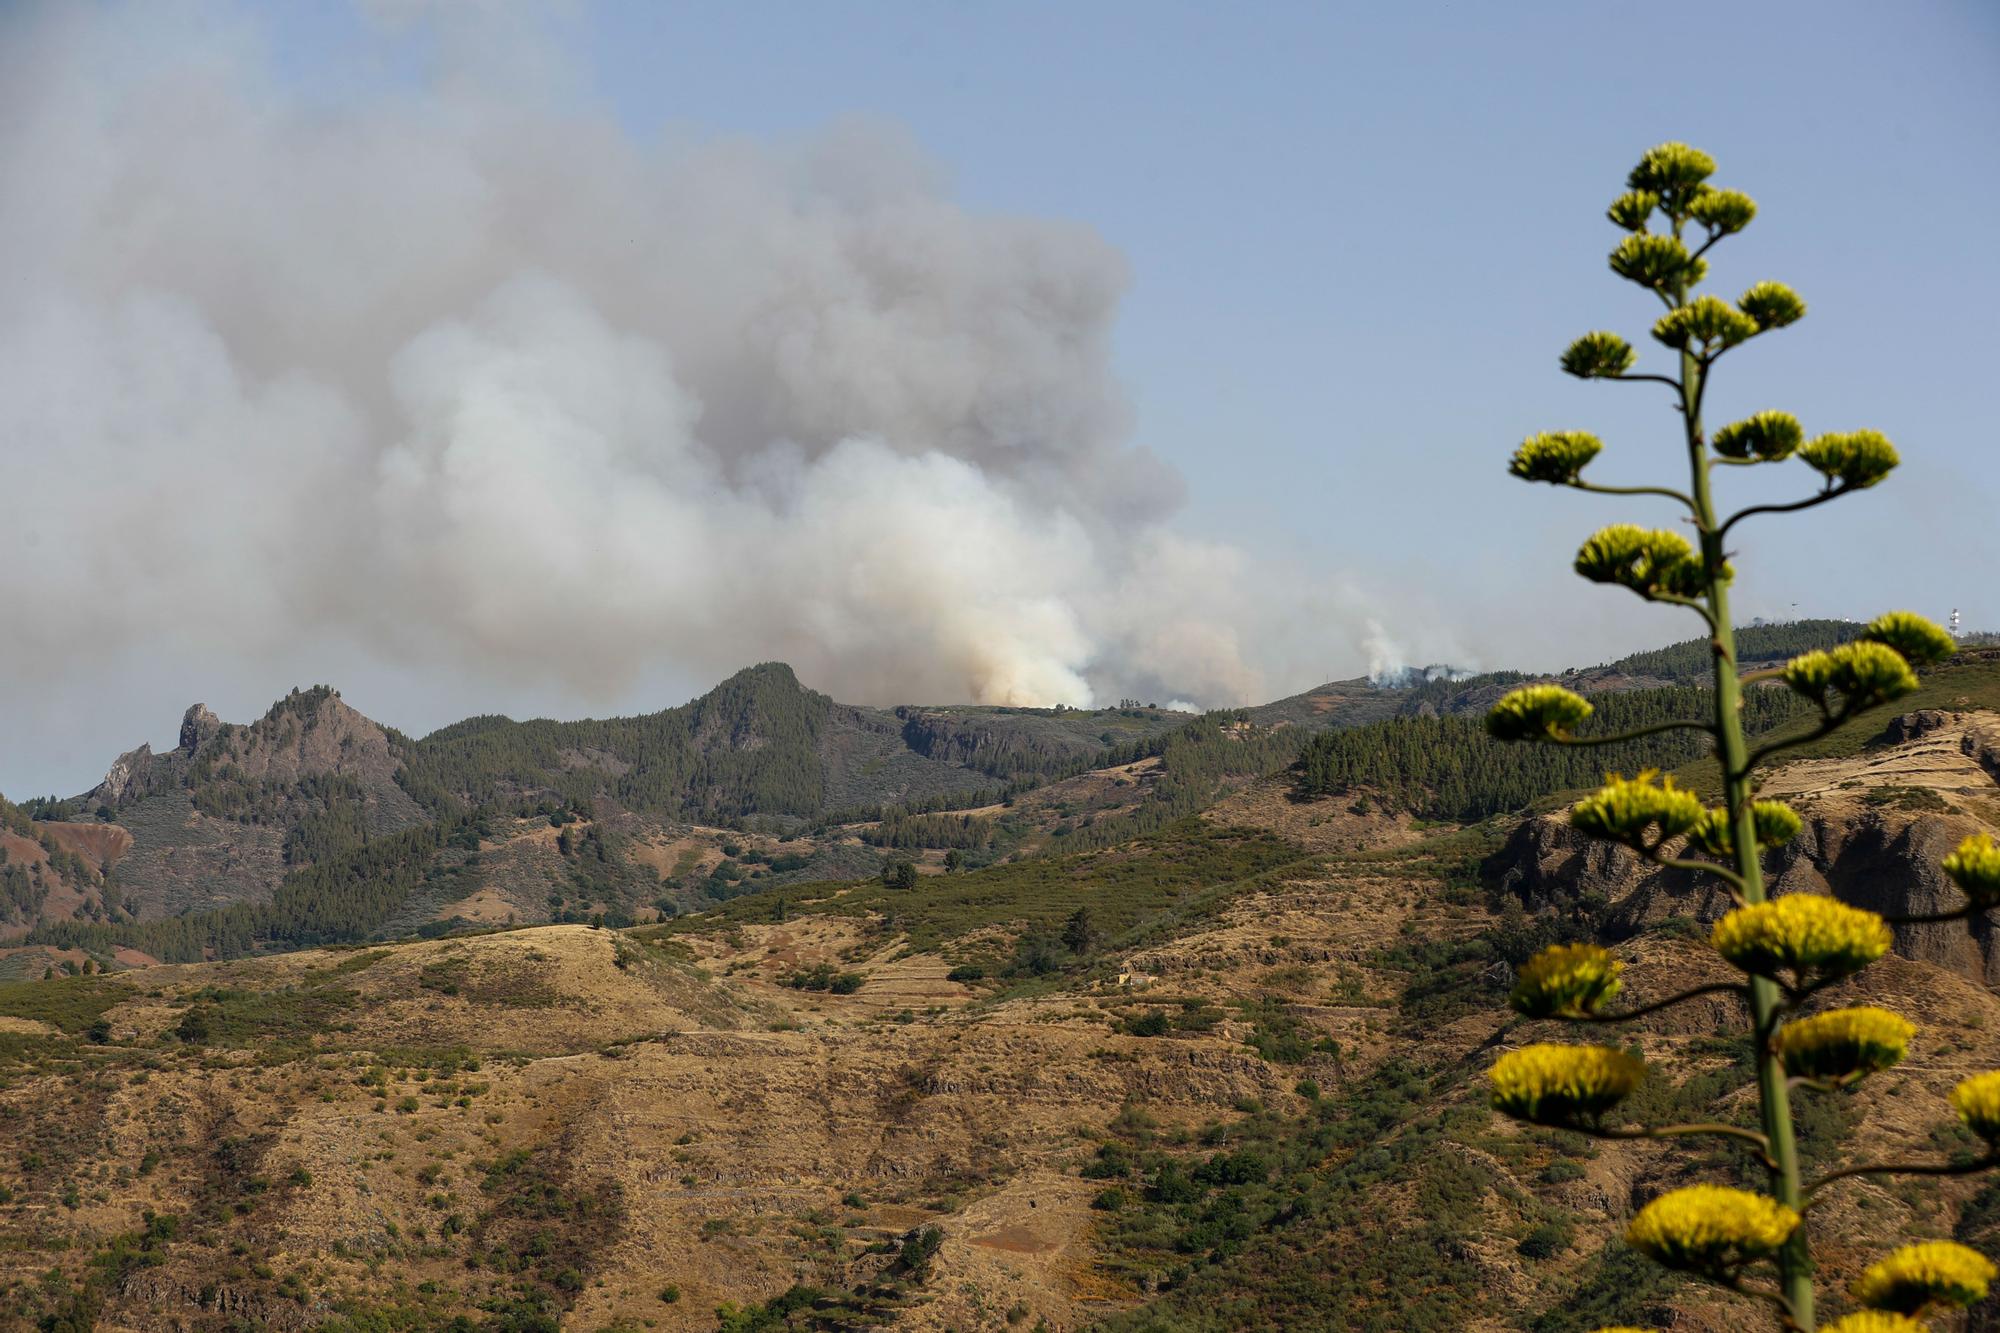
[759,781]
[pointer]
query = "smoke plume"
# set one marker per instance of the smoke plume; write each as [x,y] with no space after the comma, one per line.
[464,374]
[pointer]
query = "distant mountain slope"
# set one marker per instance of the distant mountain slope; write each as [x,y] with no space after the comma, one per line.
[248,834]
[761,743]
[1360,701]
[1691,661]
[314,824]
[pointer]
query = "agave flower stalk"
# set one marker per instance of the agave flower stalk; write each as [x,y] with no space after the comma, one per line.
[1788,949]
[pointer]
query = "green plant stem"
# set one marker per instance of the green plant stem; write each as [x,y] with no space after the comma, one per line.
[1749,1136]
[1699,608]
[1639,734]
[1820,499]
[1734,1282]
[1663,492]
[1990,1160]
[1766,1004]
[1712,988]
[1722,873]
[1825,728]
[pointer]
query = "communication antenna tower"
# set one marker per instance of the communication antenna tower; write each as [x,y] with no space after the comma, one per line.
[1954,622]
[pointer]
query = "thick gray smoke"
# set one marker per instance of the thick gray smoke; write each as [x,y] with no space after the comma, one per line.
[465,375]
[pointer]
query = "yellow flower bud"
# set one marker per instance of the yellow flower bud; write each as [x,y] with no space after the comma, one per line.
[1857,459]
[1567,981]
[1598,355]
[1647,562]
[1772,304]
[1555,456]
[1975,868]
[1863,674]
[1710,1228]
[1672,169]
[1723,211]
[1638,812]
[1914,639]
[1536,712]
[1844,1043]
[1660,262]
[1767,436]
[1705,325]
[1805,933]
[1631,209]
[1776,824]
[1556,1085]
[1936,1272]
[1874,1321]
[1977,1101]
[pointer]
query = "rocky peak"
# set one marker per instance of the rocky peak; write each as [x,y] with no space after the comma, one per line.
[197,725]
[131,765]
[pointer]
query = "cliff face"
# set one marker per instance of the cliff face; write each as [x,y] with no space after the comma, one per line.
[1876,826]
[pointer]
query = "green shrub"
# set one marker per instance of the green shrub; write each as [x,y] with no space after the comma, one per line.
[1546,1240]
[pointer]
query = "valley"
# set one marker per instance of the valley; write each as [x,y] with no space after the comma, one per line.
[483,1035]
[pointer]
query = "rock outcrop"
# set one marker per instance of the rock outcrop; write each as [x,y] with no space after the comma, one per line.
[1881,854]
[197,726]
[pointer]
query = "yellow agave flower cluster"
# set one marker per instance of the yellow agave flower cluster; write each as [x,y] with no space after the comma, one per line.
[1934,1273]
[1854,459]
[1567,981]
[1975,868]
[1598,355]
[1774,823]
[1808,934]
[1557,1085]
[1537,712]
[1768,437]
[1844,1044]
[1639,812]
[1649,562]
[1874,1321]
[1556,457]
[1863,674]
[1866,1321]
[1875,668]
[1710,1229]
[1706,324]
[1916,640]
[1977,1101]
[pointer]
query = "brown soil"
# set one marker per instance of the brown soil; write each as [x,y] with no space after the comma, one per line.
[99,844]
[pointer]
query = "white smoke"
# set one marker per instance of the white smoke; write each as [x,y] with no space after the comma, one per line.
[1387,661]
[466,375]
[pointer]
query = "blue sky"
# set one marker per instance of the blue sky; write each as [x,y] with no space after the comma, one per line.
[1359,234]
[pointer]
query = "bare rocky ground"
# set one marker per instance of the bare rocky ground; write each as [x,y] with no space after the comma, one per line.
[593,1119]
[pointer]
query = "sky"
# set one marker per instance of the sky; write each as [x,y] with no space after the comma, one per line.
[1021,353]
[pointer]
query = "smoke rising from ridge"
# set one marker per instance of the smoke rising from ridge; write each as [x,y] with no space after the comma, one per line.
[467,376]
